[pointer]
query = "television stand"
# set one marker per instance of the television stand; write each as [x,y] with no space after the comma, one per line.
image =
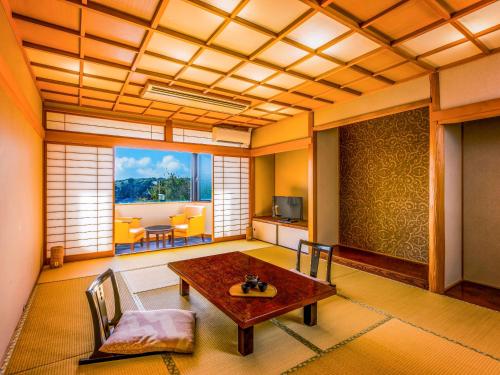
[276,231]
[287,221]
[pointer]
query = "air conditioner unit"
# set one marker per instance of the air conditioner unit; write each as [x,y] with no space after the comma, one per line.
[189,98]
[241,137]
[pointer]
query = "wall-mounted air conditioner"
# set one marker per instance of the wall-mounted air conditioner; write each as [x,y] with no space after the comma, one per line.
[240,137]
[190,98]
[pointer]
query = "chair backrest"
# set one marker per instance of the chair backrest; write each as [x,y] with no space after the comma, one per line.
[192,210]
[315,253]
[97,302]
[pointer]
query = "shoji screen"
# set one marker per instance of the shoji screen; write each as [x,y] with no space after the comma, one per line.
[230,196]
[79,198]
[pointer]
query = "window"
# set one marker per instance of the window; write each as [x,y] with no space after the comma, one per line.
[161,176]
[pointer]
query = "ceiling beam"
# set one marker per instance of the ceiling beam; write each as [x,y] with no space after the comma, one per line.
[383,13]
[453,16]
[352,23]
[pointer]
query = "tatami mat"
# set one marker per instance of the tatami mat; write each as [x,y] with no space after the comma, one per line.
[426,333]
[134,261]
[398,348]
[338,319]
[216,340]
[150,278]
[472,325]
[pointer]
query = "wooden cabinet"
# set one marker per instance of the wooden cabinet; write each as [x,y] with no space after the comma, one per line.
[270,230]
[290,236]
[265,231]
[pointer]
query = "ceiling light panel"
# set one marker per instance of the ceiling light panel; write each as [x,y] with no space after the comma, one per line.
[190,19]
[216,60]
[282,54]
[254,72]
[274,15]
[317,31]
[433,39]
[55,12]
[104,71]
[234,84]
[351,47]
[156,64]
[483,18]
[240,39]
[171,47]
[52,59]
[115,29]
[285,80]
[263,92]
[491,40]
[450,55]
[198,75]
[226,5]
[314,66]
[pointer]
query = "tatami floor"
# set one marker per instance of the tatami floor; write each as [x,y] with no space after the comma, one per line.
[373,326]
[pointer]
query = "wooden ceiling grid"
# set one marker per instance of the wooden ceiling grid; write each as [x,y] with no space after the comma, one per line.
[284,56]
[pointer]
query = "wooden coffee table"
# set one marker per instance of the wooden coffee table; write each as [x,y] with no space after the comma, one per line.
[160,230]
[212,276]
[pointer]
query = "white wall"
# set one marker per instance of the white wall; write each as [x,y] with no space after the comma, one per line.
[403,93]
[453,204]
[473,82]
[328,186]
[159,213]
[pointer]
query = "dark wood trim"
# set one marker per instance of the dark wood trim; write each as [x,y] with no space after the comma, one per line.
[303,224]
[87,256]
[477,294]
[397,269]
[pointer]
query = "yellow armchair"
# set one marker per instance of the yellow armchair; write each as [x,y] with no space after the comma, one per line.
[128,230]
[189,223]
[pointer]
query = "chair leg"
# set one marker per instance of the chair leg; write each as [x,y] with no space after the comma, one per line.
[142,242]
[185,240]
[202,237]
[132,247]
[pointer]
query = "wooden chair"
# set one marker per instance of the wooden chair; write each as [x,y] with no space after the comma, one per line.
[104,325]
[315,253]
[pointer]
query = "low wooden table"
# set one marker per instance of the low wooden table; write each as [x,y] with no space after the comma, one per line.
[212,276]
[160,230]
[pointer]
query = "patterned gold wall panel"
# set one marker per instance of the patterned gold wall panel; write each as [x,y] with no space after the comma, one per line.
[384,185]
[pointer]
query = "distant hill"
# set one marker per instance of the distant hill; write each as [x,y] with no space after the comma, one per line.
[172,188]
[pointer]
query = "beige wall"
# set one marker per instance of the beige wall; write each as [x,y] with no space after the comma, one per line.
[21,188]
[328,186]
[290,176]
[264,184]
[481,149]
[473,82]
[403,93]
[159,213]
[286,130]
[453,204]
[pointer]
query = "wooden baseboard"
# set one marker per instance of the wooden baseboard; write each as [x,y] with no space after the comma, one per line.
[231,238]
[86,256]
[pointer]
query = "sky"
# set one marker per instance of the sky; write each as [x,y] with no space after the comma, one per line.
[139,163]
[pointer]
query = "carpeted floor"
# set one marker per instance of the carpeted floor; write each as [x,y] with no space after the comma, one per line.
[374,325]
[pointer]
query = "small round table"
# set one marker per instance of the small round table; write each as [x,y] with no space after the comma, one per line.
[158,230]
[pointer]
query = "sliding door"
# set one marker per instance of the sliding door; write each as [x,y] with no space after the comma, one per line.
[230,196]
[79,198]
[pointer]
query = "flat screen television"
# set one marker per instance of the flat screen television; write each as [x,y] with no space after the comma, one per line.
[287,208]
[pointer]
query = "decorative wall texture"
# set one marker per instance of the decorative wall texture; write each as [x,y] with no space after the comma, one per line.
[384,185]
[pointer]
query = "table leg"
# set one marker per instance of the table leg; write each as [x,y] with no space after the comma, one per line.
[311,314]
[245,340]
[172,238]
[147,239]
[157,240]
[164,234]
[183,287]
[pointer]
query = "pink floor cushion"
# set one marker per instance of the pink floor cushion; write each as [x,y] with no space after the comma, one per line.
[152,331]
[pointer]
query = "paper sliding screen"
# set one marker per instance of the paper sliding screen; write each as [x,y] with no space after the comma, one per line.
[93,125]
[79,198]
[230,196]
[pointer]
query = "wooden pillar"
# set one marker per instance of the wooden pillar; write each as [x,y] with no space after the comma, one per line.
[436,194]
[169,131]
[312,181]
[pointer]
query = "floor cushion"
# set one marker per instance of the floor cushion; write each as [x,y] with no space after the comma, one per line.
[168,330]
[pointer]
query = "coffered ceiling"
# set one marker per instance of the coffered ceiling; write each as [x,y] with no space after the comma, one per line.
[282,56]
